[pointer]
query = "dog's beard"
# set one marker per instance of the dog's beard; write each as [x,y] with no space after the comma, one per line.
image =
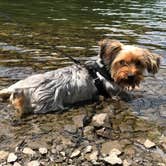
[128,83]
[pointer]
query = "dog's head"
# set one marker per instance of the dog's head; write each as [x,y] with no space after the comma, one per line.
[126,64]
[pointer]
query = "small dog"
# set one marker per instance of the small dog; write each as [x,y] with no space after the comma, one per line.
[117,68]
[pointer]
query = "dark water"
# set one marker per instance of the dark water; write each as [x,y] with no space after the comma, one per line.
[30,29]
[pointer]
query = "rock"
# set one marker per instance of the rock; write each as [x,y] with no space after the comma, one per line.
[113,159]
[149,144]
[78,120]
[63,154]
[16,164]
[28,151]
[3,155]
[88,149]
[65,141]
[104,132]
[70,128]
[43,150]
[126,163]
[115,151]
[108,146]
[11,158]
[88,130]
[99,120]
[33,163]
[75,153]
[92,156]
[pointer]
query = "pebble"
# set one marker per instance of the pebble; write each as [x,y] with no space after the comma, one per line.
[88,149]
[11,158]
[115,151]
[63,154]
[43,150]
[28,151]
[113,159]
[99,120]
[88,130]
[70,128]
[78,120]
[3,155]
[126,163]
[92,156]
[108,146]
[16,164]
[75,153]
[149,144]
[33,163]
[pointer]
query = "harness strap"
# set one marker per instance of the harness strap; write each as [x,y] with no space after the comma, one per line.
[93,68]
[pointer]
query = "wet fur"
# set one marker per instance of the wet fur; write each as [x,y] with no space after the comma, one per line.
[56,90]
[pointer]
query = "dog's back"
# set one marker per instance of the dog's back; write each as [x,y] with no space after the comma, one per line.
[52,90]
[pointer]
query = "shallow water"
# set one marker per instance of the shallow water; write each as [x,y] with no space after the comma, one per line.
[30,30]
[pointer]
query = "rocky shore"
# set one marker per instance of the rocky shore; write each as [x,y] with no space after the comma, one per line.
[111,137]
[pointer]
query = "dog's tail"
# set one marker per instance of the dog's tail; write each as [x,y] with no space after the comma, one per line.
[5,94]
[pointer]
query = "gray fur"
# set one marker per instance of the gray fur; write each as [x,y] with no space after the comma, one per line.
[58,89]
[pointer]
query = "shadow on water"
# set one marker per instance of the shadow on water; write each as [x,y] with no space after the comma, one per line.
[30,29]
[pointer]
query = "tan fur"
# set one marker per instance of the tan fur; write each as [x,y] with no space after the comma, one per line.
[127,63]
[18,102]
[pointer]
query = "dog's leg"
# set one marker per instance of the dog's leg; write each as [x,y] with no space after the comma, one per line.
[17,100]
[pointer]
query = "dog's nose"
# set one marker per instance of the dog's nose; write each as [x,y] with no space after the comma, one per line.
[130,76]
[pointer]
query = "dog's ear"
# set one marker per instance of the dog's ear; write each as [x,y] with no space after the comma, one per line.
[109,49]
[152,61]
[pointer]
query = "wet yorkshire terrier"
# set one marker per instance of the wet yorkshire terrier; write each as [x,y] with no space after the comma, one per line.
[117,69]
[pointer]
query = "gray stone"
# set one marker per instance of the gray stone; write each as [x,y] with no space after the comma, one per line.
[33,163]
[11,158]
[3,155]
[43,150]
[99,120]
[28,151]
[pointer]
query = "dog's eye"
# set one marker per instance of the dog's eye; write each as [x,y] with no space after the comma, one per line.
[122,62]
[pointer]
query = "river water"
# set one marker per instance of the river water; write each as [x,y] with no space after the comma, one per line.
[29,30]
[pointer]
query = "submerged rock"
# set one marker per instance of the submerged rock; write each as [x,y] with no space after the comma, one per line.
[79,120]
[99,120]
[110,145]
[11,158]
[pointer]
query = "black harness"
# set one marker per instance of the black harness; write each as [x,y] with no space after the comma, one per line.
[94,68]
